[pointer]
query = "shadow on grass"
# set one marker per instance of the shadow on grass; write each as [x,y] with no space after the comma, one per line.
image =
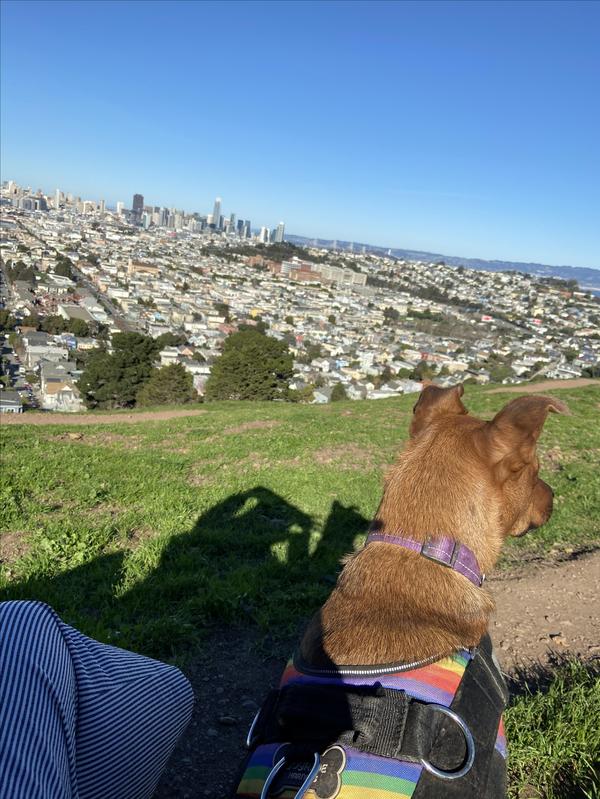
[537,677]
[253,558]
[251,568]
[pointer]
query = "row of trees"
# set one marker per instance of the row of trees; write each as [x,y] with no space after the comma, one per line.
[252,366]
[127,376]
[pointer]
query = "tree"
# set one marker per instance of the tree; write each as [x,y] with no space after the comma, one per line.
[253,366]
[390,315]
[313,351]
[63,267]
[222,308]
[331,319]
[54,324]
[169,385]
[78,328]
[289,320]
[338,393]
[170,340]
[422,371]
[7,322]
[20,271]
[113,381]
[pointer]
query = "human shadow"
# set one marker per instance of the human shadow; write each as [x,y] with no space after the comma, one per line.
[226,600]
[253,557]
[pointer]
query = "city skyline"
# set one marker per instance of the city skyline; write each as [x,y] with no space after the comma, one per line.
[277,231]
[468,128]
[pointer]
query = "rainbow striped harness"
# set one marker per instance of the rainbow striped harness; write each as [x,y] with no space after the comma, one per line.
[413,731]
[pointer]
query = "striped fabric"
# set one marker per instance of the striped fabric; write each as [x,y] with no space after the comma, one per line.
[367,776]
[80,719]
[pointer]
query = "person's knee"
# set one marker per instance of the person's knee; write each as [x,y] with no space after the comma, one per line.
[27,621]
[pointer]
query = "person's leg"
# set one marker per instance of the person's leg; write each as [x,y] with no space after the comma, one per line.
[79,718]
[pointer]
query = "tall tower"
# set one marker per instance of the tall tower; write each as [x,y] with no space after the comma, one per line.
[280,233]
[120,206]
[217,214]
[138,206]
[57,199]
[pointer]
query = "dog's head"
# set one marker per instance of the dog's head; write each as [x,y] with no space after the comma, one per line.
[499,455]
[468,478]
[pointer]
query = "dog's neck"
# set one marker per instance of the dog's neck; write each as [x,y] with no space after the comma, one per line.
[391,605]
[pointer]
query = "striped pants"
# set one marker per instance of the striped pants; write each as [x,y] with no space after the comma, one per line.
[80,719]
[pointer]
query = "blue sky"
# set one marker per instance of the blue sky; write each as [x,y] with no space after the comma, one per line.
[464,128]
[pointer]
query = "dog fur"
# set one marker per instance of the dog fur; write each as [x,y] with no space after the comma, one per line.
[458,476]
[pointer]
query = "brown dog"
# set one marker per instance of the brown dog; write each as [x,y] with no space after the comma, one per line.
[408,620]
[458,476]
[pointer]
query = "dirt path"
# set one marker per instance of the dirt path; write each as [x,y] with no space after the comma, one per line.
[549,607]
[95,418]
[546,385]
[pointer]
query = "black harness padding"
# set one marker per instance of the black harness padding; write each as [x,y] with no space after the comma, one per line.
[480,700]
[390,723]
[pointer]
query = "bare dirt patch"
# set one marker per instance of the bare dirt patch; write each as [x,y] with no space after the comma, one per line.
[344,456]
[101,439]
[95,418]
[546,385]
[257,424]
[13,546]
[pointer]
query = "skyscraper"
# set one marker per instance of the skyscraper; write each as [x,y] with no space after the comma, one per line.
[217,213]
[120,206]
[138,204]
[280,233]
[57,199]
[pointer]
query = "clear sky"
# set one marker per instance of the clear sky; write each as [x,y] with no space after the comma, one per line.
[468,129]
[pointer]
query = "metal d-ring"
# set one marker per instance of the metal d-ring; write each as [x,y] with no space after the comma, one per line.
[305,785]
[250,736]
[466,767]
[272,774]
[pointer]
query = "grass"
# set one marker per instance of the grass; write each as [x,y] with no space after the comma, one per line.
[149,534]
[554,735]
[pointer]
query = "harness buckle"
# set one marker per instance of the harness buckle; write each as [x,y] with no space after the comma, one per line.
[305,785]
[470,758]
[430,549]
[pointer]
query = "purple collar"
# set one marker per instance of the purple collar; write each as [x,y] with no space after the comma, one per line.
[442,550]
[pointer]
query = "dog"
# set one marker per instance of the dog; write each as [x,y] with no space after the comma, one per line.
[394,690]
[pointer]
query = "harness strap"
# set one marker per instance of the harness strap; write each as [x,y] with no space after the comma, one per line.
[479,701]
[372,719]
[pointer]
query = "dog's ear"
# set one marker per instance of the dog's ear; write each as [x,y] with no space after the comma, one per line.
[514,431]
[435,402]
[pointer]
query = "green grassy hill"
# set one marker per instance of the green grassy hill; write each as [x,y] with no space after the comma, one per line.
[152,535]
[147,534]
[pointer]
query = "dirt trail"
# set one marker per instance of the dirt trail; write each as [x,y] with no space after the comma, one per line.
[546,385]
[550,607]
[95,418]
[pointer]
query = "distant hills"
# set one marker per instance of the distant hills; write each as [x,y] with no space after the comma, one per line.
[588,279]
